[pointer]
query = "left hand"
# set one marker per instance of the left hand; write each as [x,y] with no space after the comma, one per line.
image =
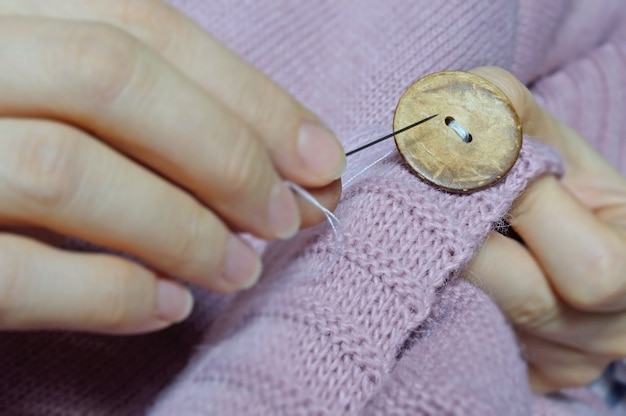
[126,125]
[564,287]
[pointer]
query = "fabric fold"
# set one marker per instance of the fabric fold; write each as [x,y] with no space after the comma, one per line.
[328,344]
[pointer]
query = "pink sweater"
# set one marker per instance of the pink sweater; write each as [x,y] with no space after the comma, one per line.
[390,329]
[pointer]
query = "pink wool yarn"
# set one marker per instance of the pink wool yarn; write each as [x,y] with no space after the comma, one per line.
[391,328]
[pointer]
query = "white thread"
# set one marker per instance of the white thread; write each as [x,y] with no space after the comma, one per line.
[368,167]
[332,220]
[460,130]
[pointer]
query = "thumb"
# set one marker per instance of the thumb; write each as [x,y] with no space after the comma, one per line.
[578,156]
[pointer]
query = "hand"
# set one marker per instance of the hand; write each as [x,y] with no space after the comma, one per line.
[125,125]
[564,288]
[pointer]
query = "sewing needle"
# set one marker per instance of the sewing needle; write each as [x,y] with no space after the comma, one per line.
[351,152]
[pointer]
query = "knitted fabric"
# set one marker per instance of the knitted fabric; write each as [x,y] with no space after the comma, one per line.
[390,328]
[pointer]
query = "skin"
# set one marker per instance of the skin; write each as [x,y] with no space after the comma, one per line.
[111,160]
[563,288]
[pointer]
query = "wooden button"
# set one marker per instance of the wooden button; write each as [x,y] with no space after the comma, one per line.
[472,143]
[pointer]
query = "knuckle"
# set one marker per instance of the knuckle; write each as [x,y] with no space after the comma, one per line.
[184,255]
[158,22]
[45,173]
[113,309]
[243,170]
[533,310]
[284,115]
[602,269]
[99,60]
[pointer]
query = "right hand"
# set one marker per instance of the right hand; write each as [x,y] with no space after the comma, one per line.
[562,283]
[124,124]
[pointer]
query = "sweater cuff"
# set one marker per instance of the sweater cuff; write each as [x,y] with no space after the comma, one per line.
[317,336]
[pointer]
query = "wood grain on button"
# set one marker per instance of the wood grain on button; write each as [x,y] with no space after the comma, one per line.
[437,152]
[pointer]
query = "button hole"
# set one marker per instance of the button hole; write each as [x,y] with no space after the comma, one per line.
[460,130]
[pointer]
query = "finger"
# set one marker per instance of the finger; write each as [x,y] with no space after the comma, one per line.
[555,223]
[596,335]
[553,367]
[505,270]
[584,259]
[579,157]
[45,288]
[107,83]
[587,175]
[327,196]
[57,177]
[304,151]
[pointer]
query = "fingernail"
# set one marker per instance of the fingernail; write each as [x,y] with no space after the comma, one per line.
[243,266]
[284,217]
[174,302]
[320,152]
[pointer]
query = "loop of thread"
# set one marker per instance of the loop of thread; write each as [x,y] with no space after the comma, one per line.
[332,220]
[459,129]
[368,167]
[357,140]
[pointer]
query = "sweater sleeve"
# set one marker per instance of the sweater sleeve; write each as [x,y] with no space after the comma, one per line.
[589,93]
[310,339]
[489,377]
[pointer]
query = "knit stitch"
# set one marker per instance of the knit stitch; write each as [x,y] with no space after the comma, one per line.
[390,328]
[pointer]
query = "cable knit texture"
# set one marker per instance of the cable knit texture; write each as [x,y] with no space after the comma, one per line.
[390,328]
